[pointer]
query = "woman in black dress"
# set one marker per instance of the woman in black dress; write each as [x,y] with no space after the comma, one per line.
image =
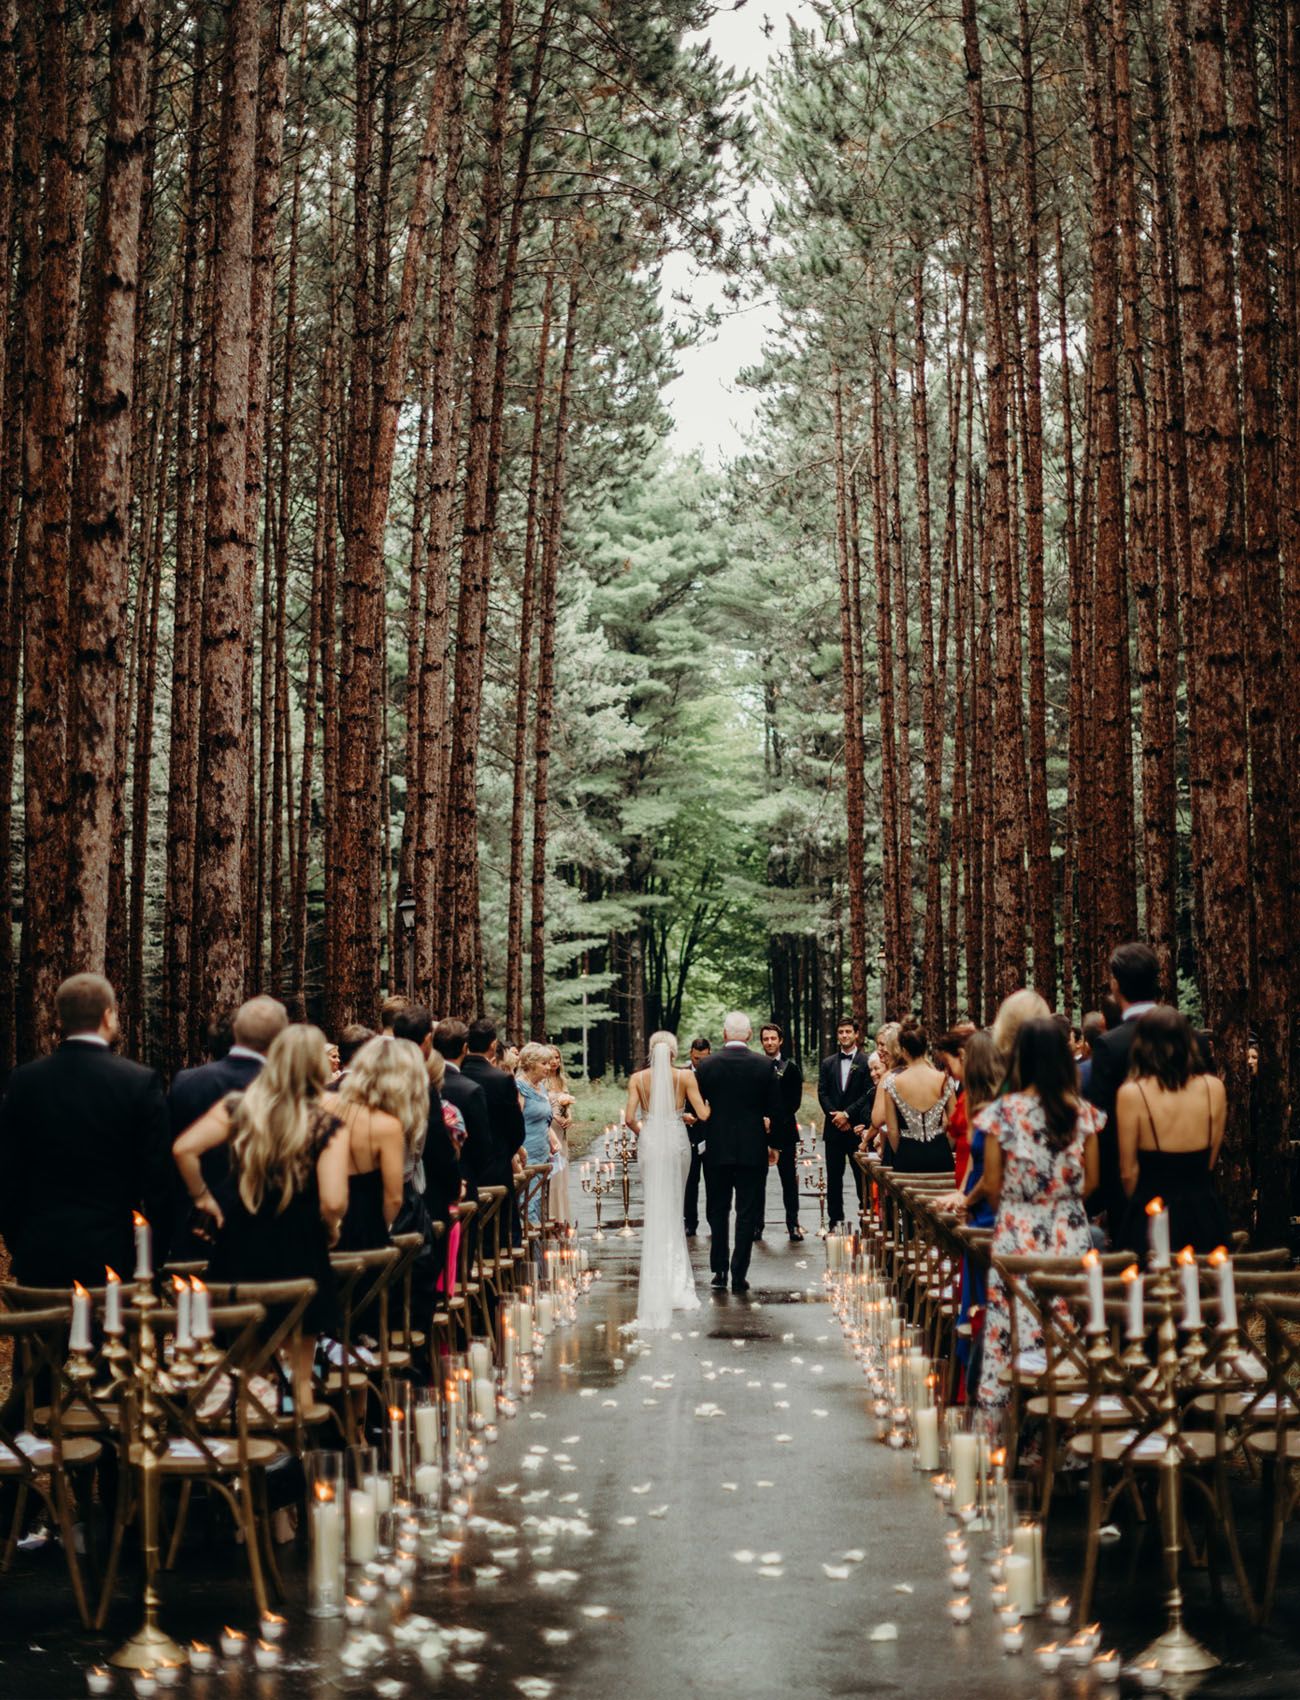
[290,1179]
[912,1105]
[1169,1122]
[384,1103]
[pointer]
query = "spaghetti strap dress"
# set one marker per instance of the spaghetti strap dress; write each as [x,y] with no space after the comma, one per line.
[1185,1183]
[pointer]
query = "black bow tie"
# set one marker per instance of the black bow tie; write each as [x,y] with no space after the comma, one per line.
[848,1056]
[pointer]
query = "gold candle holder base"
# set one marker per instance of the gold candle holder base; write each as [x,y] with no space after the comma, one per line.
[148,1647]
[1180,1653]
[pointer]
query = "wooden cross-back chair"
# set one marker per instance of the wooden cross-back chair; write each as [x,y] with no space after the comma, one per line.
[42,1463]
[363,1281]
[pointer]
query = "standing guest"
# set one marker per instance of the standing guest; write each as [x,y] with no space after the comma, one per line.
[505,1115]
[949,1054]
[450,1039]
[1014,1010]
[1135,986]
[540,1144]
[557,1089]
[444,1185]
[350,1042]
[912,1106]
[695,1132]
[885,1060]
[1092,1028]
[384,1105]
[843,1086]
[1040,1163]
[982,1074]
[415,1024]
[507,1059]
[390,1009]
[83,1142]
[289,1161]
[256,1026]
[740,1090]
[785,1129]
[1171,1119]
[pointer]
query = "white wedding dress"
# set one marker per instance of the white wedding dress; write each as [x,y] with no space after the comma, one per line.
[664,1158]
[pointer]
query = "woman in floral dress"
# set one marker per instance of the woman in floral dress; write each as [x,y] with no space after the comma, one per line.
[1040,1163]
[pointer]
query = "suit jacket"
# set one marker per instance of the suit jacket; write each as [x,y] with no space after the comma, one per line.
[739,1086]
[194,1092]
[442,1171]
[1109,1071]
[84,1140]
[505,1116]
[855,1098]
[476,1153]
[789,1090]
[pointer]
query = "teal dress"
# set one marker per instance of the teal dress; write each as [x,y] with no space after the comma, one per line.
[537,1126]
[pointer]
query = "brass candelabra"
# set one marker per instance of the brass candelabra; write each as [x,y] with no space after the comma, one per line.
[816,1188]
[596,1183]
[624,1150]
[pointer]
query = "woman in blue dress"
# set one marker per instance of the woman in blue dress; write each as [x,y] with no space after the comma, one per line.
[539,1142]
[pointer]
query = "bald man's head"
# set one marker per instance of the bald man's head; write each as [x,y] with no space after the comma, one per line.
[259,1022]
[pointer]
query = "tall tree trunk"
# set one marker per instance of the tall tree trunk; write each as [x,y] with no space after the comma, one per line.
[903,683]
[885,701]
[855,800]
[547,599]
[10,485]
[932,977]
[219,974]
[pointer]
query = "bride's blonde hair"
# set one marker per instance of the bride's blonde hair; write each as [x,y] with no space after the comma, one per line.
[662,1037]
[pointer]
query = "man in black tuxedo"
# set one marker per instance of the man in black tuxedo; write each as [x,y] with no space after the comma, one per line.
[1135,985]
[740,1089]
[844,1091]
[476,1157]
[785,1129]
[83,1142]
[504,1111]
[695,1132]
[258,1023]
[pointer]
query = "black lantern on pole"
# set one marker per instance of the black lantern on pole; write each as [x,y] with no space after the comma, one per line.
[406,919]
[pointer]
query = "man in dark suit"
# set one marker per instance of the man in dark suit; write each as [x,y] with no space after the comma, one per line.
[740,1089]
[258,1023]
[785,1129]
[476,1156]
[844,1091]
[504,1111]
[1135,986]
[695,1132]
[83,1142]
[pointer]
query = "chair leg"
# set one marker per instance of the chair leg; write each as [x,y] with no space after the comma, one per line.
[178,1528]
[1280,1484]
[248,1524]
[268,1539]
[1089,1582]
[20,1511]
[121,1517]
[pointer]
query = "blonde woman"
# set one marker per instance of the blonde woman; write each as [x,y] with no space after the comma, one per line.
[1013,1012]
[557,1088]
[885,1062]
[384,1104]
[289,1178]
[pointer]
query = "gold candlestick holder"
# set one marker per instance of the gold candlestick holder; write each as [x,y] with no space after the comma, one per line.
[817,1189]
[624,1151]
[1177,1650]
[138,1376]
[596,1185]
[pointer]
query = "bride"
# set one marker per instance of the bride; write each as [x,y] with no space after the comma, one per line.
[656,1097]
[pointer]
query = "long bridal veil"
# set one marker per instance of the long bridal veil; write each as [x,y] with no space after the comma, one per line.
[663,1157]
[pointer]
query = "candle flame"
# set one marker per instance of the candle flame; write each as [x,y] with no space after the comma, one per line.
[1219,1256]
[202,1646]
[1132,1273]
[1187,1255]
[999,1457]
[395,1412]
[177,1284]
[197,1285]
[139,1220]
[1156,1207]
[1090,1258]
[238,1634]
[111,1273]
[324,1493]
[79,1290]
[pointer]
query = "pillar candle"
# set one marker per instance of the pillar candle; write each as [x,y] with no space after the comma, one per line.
[201,1310]
[426,1433]
[1096,1294]
[184,1338]
[1191,1282]
[1020,1584]
[143,1248]
[480,1358]
[381,1490]
[326,1539]
[363,1526]
[545,1313]
[113,1304]
[927,1438]
[1227,1289]
[427,1481]
[525,1327]
[1133,1287]
[396,1453]
[965,1457]
[1027,1542]
[79,1338]
[485,1399]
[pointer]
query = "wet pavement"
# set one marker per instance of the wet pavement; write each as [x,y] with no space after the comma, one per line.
[706,1515]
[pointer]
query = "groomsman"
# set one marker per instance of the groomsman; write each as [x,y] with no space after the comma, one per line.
[844,1091]
[784,1137]
[700,1048]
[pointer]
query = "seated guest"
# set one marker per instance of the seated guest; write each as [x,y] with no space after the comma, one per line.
[350,1042]
[1040,1163]
[289,1163]
[1171,1119]
[385,1108]
[539,1142]
[83,1143]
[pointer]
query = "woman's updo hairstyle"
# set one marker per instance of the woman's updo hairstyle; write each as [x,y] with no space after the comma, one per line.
[913,1040]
